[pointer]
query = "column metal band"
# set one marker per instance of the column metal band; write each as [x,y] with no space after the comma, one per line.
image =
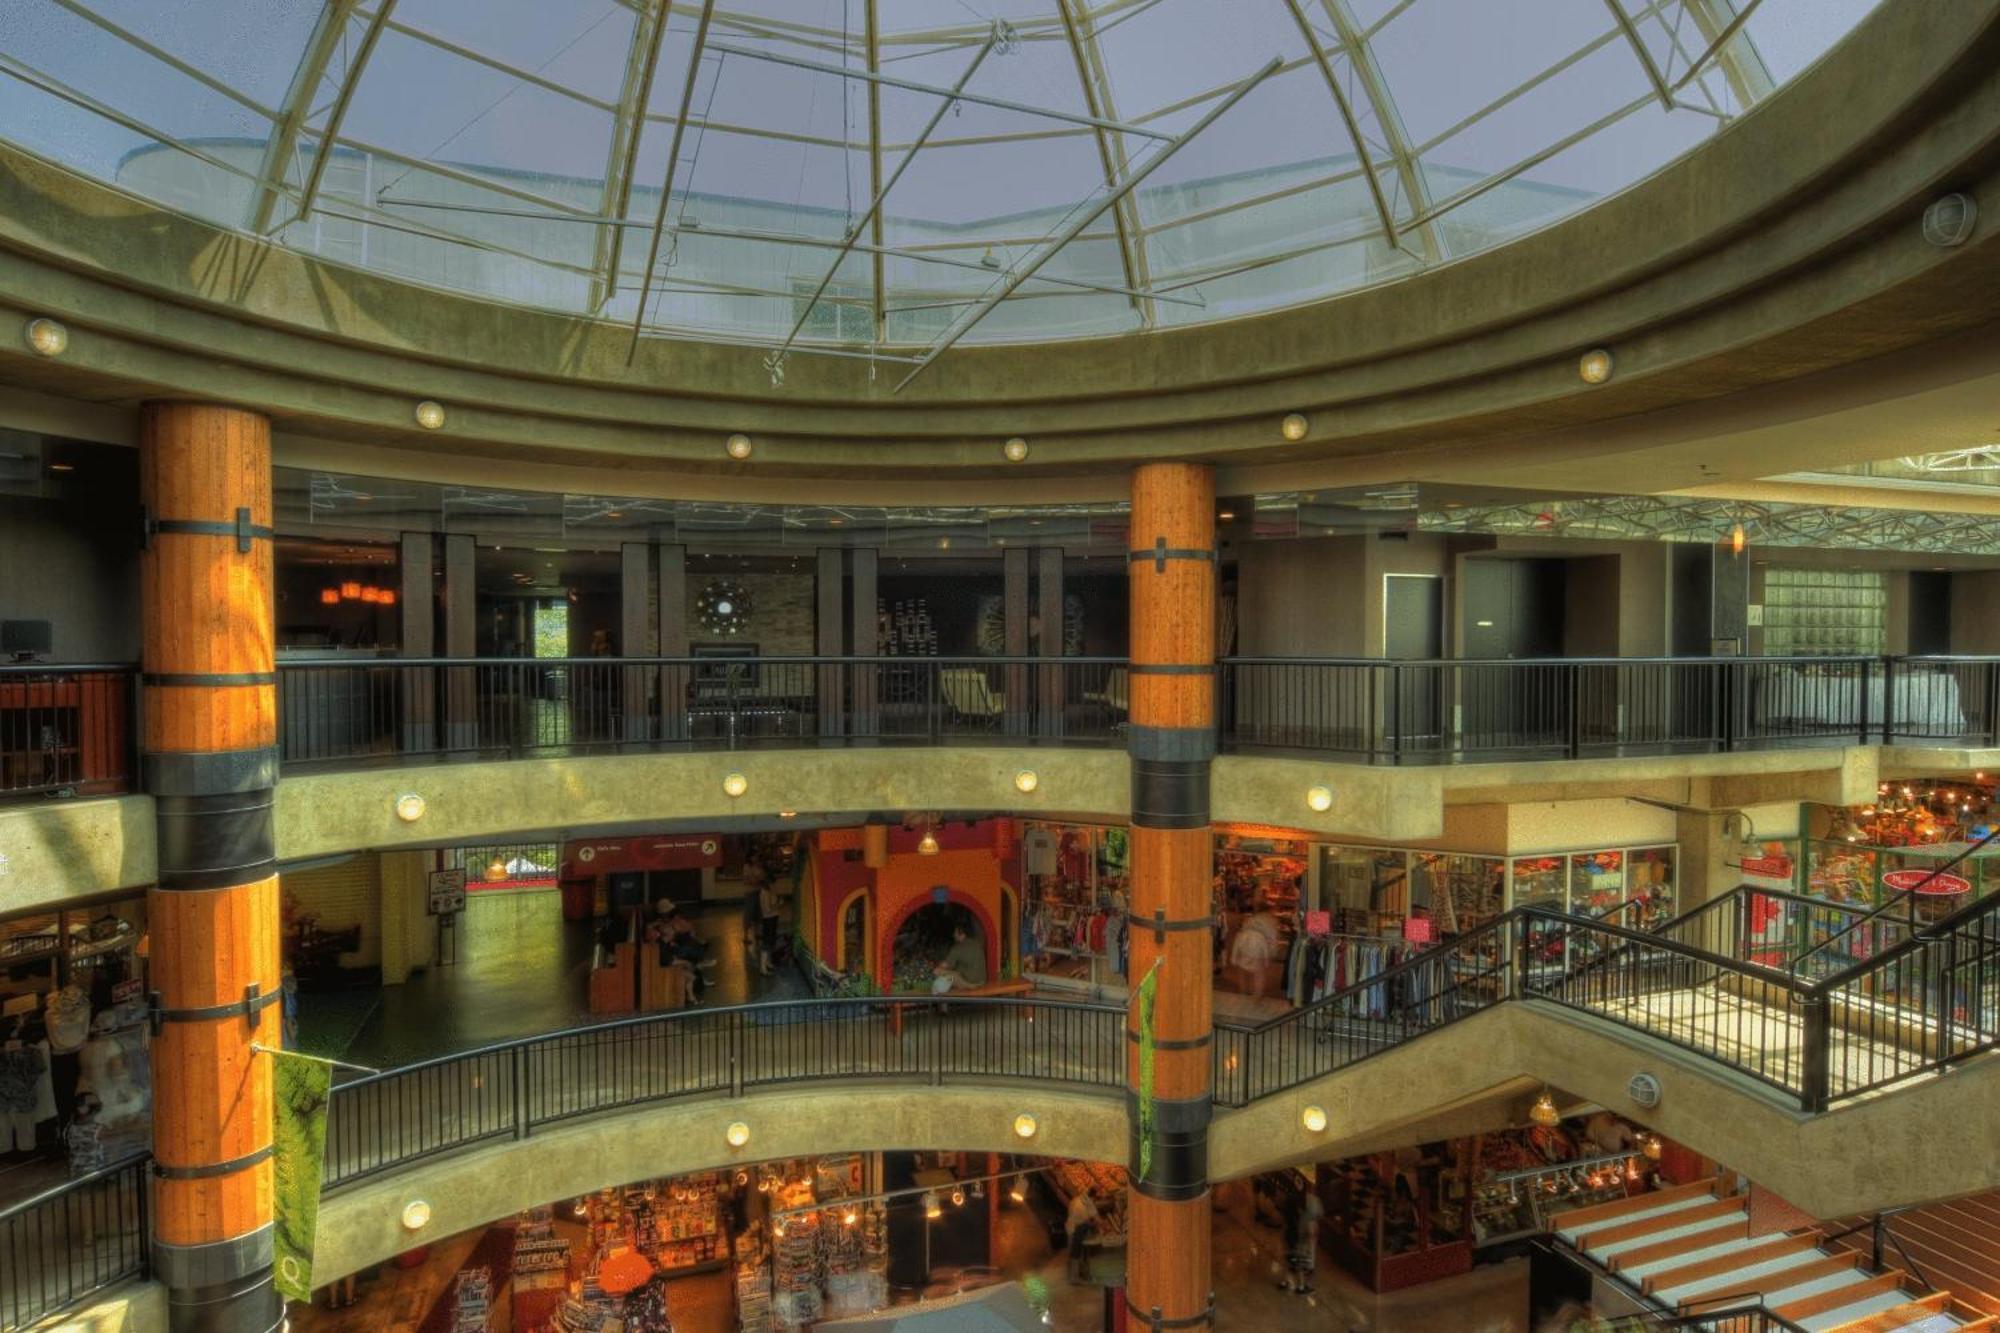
[213,1169]
[209,772]
[1180,744]
[214,842]
[1169,793]
[215,1261]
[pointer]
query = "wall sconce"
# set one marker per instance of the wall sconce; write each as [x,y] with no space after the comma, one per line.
[430,415]
[409,807]
[1320,798]
[1294,426]
[47,337]
[1594,366]
[1025,1126]
[735,784]
[1026,781]
[1015,449]
[738,446]
[416,1215]
[737,1134]
[1314,1119]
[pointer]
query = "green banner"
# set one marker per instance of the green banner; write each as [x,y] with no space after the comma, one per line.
[299,1133]
[1149,988]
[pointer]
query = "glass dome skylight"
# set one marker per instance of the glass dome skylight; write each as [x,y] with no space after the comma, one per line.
[1093,178]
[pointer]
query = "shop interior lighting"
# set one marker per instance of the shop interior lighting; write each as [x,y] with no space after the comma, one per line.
[1294,426]
[735,784]
[1015,450]
[931,1208]
[1018,1191]
[957,1197]
[1314,1119]
[416,1215]
[928,844]
[1594,366]
[738,446]
[409,807]
[430,415]
[737,1134]
[47,337]
[496,870]
[1544,1112]
[1026,781]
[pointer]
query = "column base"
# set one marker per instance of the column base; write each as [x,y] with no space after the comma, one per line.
[224,1286]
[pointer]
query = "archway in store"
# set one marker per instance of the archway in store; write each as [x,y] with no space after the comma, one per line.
[919,937]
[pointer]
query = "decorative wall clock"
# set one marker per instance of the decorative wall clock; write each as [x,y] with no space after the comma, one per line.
[723,607]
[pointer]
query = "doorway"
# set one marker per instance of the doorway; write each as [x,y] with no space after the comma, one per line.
[1413,631]
[1514,609]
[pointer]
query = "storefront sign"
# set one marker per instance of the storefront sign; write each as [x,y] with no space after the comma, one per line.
[602,856]
[125,992]
[1926,882]
[447,891]
[1771,865]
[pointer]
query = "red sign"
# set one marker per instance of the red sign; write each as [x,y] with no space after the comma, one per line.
[602,856]
[1417,929]
[1769,866]
[1926,882]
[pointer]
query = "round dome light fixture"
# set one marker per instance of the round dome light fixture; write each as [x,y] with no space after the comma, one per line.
[416,1215]
[1294,426]
[1015,449]
[735,784]
[47,337]
[1026,781]
[1025,1126]
[1594,366]
[738,446]
[1320,798]
[1314,1119]
[409,807]
[430,414]
[738,1134]
[1949,220]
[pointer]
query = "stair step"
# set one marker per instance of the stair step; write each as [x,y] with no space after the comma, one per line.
[1984,1324]
[1839,1298]
[1836,1270]
[1867,1307]
[1610,1254]
[1643,1261]
[1741,1259]
[1661,1226]
[1755,1268]
[1572,1225]
[1903,1316]
[1577,1218]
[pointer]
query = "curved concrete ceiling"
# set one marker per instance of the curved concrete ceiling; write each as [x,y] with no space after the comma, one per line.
[1789,245]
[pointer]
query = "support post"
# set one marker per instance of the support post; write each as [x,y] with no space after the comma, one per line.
[1014,636]
[461,640]
[417,707]
[1171,566]
[635,639]
[211,765]
[1050,691]
[864,634]
[830,589]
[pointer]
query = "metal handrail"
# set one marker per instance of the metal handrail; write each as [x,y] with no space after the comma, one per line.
[1917,939]
[73,1183]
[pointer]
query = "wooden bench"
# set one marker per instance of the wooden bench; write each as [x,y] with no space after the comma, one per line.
[1018,986]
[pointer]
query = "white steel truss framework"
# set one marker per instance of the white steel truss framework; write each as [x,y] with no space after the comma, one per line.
[1365,179]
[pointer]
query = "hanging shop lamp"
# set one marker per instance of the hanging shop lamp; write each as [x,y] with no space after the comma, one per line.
[1544,1112]
[931,1209]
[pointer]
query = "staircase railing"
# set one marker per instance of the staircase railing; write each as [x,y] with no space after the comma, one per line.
[1904,901]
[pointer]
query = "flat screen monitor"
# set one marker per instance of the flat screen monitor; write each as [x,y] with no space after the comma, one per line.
[26,638]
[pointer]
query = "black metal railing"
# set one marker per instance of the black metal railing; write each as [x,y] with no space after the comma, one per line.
[70,728]
[347,711]
[66,1243]
[66,729]
[517,1088]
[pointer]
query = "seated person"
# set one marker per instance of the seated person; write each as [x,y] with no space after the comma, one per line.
[963,966]
[680,947]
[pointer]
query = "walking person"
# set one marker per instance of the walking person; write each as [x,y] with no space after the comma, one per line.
[1081,1227]
[1303,1210]
[770,907]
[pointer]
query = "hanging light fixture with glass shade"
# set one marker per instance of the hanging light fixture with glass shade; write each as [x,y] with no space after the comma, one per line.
[1544,1112]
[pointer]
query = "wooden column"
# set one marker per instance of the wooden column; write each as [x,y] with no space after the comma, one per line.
[635,639]
[1172,740]
[418,689]
[461,640]
[1050,692]
[674,680]
[864,634]
[211,764]
[1014,636]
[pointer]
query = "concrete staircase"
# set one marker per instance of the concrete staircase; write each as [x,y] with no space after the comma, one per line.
[1688,1249]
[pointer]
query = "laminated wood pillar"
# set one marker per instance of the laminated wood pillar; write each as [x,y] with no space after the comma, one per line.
[1172,741]
[211,764]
